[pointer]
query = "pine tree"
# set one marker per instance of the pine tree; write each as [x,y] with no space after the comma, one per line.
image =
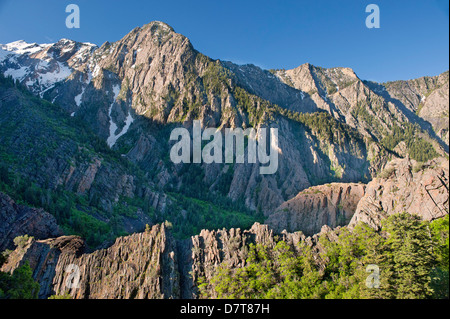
[375,255]
[440,273]
[410,247]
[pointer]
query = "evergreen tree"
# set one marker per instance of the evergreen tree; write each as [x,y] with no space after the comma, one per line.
[394,263]
[440,277]
[410,247]
[19,285]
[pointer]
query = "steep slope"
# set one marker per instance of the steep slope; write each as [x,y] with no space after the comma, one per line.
[145,265]
[51,161]
[428,97]
[375,110]
[331,204]
[333,127]
[18,220]
[132,92]
[406,186]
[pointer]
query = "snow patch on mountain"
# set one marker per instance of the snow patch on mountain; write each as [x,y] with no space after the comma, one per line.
[41,66]
[22,47]
[112,139]
[17,74]
[78,97]
[112,126]
[49,79]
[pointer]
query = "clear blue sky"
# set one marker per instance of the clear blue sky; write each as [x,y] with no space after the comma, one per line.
[412,41]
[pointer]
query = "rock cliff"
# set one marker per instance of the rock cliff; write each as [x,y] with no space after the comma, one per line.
[406,186]
[331,204]
[144,265]
[18,220]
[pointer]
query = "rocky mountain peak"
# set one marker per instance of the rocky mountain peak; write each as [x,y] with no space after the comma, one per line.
[158,26]
[154,33]
[310,78]
[20,47]
[333,126]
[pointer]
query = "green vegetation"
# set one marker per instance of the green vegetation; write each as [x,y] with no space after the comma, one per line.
[189,216]
[321,123]
[215,79]
[387,172]
[65,296]
[418,148]
[39,139]
[18,285]
[360,112]
[256,108]
[440,279]
[196,206]
[326,127]
[72,212]
[331,89]
[412,257]
[21,241]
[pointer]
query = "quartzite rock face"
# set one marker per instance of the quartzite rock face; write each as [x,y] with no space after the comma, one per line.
[144,265]
[406,186]
[18,220]
[331,204]
[202,254]
[43,257]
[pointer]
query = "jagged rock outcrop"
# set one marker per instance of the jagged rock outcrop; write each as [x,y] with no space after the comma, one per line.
[200,255]
[43,257]
[331,204]
[143,265]
[406,186]
[18,220]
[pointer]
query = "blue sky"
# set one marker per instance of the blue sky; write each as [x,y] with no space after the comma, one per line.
[412,41]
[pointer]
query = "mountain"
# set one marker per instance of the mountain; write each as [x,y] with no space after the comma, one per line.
[428,98]
[85,144]
[41,66]
[54,161]
[153,79]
